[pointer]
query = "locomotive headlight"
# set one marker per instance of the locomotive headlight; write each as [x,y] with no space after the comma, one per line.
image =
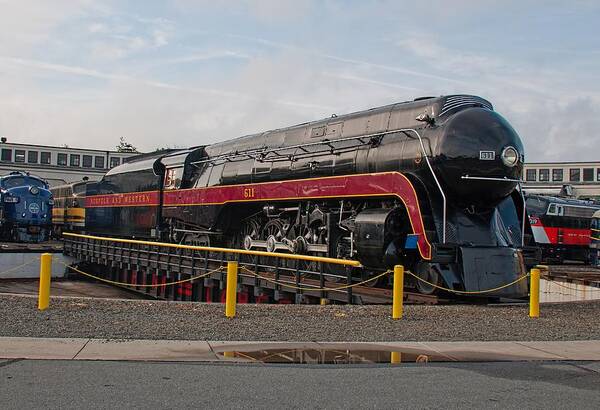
[51,202]
[510,156]
[34,190]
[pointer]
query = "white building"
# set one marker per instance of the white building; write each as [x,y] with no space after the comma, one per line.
[572,179]
[58,165]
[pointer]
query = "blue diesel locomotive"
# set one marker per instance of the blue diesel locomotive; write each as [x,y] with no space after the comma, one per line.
[26,208]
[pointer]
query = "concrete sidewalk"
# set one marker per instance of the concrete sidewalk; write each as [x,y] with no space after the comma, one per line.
[287,352]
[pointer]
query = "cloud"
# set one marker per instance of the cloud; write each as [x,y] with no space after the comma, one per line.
[87,72]
[273,11]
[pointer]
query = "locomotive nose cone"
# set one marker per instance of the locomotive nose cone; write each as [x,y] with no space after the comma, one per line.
[479,143]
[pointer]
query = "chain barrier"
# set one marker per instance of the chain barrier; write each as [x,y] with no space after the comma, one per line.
[112,282]
[315,288]
[20,266]
[472,292]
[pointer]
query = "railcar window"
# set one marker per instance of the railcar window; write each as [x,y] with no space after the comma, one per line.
[87,161]
[45,157]
[6,154]
[536,205]
[588,174]
[99,162]
[13,182]
[557,175]
[32,157]
[75,160]
[552,209]
[173,177]
[544,175]
[114,162]
[531,175]
[61,159]
[19,155]
[574,174]
[36,182]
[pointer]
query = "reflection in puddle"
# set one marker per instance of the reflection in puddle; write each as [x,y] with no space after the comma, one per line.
[331,356]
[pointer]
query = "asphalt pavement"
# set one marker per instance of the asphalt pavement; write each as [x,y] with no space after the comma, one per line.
[113,384]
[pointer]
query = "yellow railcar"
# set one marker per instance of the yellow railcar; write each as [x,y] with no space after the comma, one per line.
[68,213]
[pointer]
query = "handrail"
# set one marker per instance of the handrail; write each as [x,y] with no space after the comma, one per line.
[260,154]
[524,214]
[436,181]
[294,256]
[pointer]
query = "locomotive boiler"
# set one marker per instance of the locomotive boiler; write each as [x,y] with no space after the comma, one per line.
[430,183]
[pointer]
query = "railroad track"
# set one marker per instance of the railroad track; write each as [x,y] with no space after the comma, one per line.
[576,273]
[261,281]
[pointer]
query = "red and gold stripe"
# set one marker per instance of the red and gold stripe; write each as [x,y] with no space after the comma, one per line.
[348,186]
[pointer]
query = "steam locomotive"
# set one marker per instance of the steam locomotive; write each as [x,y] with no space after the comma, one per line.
[25,208]
[429,183]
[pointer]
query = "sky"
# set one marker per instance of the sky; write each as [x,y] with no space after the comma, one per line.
[183,73]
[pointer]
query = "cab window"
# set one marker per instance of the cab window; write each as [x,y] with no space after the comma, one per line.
[173,178]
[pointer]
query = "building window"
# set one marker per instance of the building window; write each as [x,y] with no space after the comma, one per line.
[114,161]
[544,175]
[19,155]
[87,161]
[32,157]
[588,174]
[62,159]
[6,154]
[99,162]
[574,174]
[530,175]
[75,160]
[598,174]
[557,175]
[45,158]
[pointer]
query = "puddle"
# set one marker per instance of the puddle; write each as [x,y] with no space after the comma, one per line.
[330,356]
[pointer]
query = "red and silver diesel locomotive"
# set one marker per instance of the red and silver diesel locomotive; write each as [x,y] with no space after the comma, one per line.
[430,183]
[561,227]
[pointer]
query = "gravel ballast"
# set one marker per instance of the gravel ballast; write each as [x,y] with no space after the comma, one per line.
[131,319]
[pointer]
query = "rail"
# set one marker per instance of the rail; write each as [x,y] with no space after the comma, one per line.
[293,256]
[434,178]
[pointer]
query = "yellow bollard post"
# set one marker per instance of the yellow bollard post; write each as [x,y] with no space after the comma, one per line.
[45,274]
[395,357]
[324,301]
[398,293]
[534,293]
[231,291]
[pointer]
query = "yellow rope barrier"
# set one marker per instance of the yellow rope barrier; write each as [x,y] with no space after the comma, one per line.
[315,288]
[473,292]
[292,256]
[144,286]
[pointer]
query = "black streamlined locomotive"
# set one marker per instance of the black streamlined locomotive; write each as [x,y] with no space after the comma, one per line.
[430,183]
[25,208]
